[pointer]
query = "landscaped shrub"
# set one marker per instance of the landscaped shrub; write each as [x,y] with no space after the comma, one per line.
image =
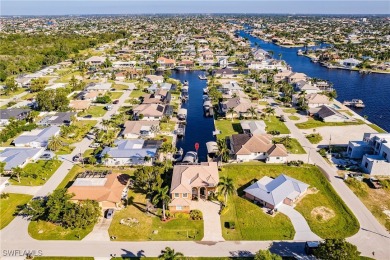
[182,215]
[196,214]
[273,132]
[314,138]
[295,163]
[4,195]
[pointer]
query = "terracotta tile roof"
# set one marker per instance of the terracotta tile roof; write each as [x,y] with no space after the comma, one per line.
[245,144]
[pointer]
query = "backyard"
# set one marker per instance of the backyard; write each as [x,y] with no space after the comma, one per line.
[9,206]
[150,227]
[37,173]
[274,124]
[94,111]
[228,127]
[339,223]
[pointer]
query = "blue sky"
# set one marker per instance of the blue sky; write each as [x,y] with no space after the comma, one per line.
[58,7]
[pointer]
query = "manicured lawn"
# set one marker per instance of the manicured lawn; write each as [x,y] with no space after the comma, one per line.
[290,110]
[377,128]
[173,230]
[95,111]
[12,94]
[312,123]
[67,149]
[227,127]
[136,93]
[314,138]
[37,173]
[42,230]
[293,146]
[274,124]
[342,224]
[9,206]
[167,127]
[293,117]
[120,87]
[115,95]
[263,103]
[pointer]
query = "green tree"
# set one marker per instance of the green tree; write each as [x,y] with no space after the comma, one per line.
[55,143]
[38,84]
[17,171]
[252,111]
[266,255]
[337,249]
[163,197]
[10,85]
[269,111]
[226,186]
[148,178]
[170,254]
[223,150]
[231,112]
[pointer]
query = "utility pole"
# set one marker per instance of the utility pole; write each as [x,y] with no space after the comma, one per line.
[330,147]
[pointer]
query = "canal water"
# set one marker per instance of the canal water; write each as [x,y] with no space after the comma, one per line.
[373,89]
[199,129]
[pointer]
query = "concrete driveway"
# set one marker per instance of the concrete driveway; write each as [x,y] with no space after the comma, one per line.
[100,231]
[211,218]
[302,229]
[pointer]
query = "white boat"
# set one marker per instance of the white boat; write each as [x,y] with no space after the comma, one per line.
[205,91]
[358,103]
[178,156]
[202,77]
[190,157]
[182,114]
[185,83]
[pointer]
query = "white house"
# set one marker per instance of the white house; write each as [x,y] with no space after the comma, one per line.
[137,129]
[19,157]
[36,138]
[351,62]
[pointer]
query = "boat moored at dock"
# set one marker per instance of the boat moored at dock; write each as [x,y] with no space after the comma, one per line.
[358,103]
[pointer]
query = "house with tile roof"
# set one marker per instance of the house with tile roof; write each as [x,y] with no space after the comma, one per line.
[190,182]
[141,128]
[271,193]
[152,112]
[247,147]
[239,105]
[107,191]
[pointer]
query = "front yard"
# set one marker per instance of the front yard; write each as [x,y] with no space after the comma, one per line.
[227,127]
[37,173]
[9,206]
[325,212]
[293,146]
[42,230]
[115,95]
[136,93]
[274,124]
[150,227]
[313,123]
[94,111]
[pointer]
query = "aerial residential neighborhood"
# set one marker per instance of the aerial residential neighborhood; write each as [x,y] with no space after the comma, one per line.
[194,136]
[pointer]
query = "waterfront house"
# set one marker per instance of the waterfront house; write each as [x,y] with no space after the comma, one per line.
[57,119]
[329,114]
[230,88]
[223,73]
[313,100]
[239,105]
[15,113]
[166,63]
[19,157]
[152,111]
[271,193]
[296,76]
[154,79]
[192,182]
[246,147]
[131,152]
[350,63]
[159,86]
[282,76]
[374,150]
[161,96]
[306,86]
[36,138]
[253,127]
[137,129]
[108,190]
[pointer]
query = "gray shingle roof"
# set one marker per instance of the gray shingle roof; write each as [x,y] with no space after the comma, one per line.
[14,157]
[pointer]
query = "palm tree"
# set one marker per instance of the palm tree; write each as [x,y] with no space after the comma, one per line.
[227,187]
[269,111]
[252,111]
[162,195]
[55,143]
[232,112]
[106,123]
[106,156]
[223,151]
[286,140]
[170,254]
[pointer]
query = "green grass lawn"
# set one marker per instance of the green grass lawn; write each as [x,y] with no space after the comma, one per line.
[115,95]
[95,111]
[42,230]
[62,258]
[228,127]
[343,224]
[167,127]
[12,94]
[136,93]
[42,170]
[377,128]
[173,230]
[263,103]
[290,110]
[314,138]
[293,146]
[67,149]
[294,117]
[120,87]
[274,124]
[312,123]
[9,206]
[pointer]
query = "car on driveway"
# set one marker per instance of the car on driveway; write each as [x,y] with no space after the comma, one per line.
[115,102]
[88,116]
[45,156]
[108,214]
[77,157]
[94,145]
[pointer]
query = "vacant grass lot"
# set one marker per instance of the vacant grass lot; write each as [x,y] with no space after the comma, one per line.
[172,230]
[293,146]
[115,95]
[167,127]
[120,87]
[37,173]
[290,110]
[314,138]
[136,93]
[95,111]
[12,94]
[228,127]
[343,224]
[313,123]
[274,124]
[9,206]
[294,118]
[42,230]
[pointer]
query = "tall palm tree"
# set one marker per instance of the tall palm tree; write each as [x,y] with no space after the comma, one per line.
[223,151]
[226,186]
[162,196]
[106,123]
[252,111]
[55,143]
[269,111]
[231,112]
[170,254]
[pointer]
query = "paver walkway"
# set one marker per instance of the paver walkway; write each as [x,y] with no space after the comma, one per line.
[212,221]
[302,229]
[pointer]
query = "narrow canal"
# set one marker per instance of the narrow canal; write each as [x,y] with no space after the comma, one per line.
[373,89]
[199,129]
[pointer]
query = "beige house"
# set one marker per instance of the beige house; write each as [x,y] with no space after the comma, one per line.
[190,182]
[150,112]
[80,105]
[137,129]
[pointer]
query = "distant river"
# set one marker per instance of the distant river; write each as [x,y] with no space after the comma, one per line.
[373,89]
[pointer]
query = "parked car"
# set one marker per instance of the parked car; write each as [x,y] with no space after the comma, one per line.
[108,107]
[116,102]
[282,118]
[77,157]
[88,116]
[108,214]
[94,145]
[45,156]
